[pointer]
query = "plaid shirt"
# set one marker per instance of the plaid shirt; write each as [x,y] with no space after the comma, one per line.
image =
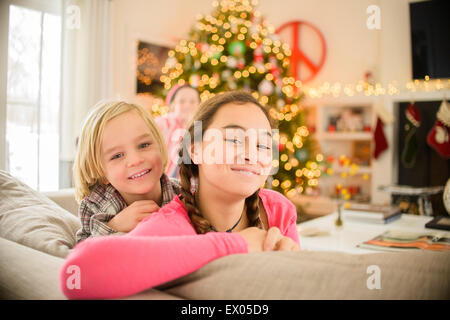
[105,202]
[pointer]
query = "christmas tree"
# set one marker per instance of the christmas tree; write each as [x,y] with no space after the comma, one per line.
[235,48]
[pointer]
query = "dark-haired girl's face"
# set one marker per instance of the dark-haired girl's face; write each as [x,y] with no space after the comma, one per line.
[236,150]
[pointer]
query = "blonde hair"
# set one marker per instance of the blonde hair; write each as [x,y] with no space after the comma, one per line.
[87,168]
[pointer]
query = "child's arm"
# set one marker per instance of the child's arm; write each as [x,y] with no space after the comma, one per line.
[93,221]
[111,267]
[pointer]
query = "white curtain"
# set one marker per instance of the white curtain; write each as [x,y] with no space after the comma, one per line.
[87,57]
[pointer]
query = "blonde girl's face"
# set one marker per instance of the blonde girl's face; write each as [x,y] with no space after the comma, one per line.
[236,150]
[185,103]
[130,155]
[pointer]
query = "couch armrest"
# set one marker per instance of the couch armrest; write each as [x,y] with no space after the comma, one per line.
[65,198]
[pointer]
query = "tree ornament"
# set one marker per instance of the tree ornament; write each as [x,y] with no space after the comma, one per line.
[265,87]
[301,155]
[240,63]
[171,62]
[203,47]
[194,80]
[237,48]
[232,62]
[258,57]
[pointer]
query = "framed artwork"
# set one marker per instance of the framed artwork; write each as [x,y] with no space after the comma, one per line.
[151,58]
[362,153]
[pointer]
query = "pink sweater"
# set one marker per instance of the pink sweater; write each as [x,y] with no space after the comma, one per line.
[163,247]
[173,130]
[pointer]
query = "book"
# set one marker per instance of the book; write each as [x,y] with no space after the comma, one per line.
[393,240]
[372,213]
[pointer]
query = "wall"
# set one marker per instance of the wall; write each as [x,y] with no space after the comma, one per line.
[352,48]
[160,22]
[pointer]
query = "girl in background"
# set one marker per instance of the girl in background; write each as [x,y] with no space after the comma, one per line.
[222,209]
[183,101]
[119,170]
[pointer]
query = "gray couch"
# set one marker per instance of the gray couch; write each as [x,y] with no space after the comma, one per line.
[36,233]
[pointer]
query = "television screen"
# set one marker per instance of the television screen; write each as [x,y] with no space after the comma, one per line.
[430,30]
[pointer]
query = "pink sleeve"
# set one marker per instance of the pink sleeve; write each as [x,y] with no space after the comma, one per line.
[162,124]
[291,228]
[281,212]
[119,266]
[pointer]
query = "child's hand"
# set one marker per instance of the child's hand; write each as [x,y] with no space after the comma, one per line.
[255,238]
[127,219]
[277,242]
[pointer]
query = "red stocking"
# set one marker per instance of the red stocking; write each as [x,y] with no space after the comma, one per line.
[439,136]
[381,143]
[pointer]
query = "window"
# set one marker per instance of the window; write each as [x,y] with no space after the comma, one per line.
[33,97]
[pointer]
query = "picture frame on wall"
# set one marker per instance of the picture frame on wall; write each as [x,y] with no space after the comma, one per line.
[362,152]
[150,58]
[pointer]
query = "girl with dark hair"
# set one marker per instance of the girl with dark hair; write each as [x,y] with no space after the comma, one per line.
[182,102]
[222,209]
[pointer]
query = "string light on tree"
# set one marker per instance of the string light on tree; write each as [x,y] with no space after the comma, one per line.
[236,48]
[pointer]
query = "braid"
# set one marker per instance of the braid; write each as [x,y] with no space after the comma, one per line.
[205,115]
[252,204]
[201,225]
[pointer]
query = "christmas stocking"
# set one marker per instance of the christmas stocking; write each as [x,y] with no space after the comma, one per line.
[439,136]
[381,143]
[410,148]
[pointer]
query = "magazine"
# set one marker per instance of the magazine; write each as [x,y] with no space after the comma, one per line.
[372,213]
[393,240]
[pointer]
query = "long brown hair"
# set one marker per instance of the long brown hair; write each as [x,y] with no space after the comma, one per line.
[205,113]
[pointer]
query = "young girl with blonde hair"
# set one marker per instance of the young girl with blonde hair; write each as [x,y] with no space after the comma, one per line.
[222,209]
[119,170]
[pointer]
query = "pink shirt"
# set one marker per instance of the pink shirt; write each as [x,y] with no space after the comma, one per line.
[173,130]
[163,247]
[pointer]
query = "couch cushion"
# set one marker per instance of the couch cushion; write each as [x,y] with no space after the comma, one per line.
[31,219]
[318,275]
[26,273]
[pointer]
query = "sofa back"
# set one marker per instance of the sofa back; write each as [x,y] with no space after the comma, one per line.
[33,220]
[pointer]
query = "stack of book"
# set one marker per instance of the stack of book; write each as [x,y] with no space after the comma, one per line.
[371,213]
[394,240]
